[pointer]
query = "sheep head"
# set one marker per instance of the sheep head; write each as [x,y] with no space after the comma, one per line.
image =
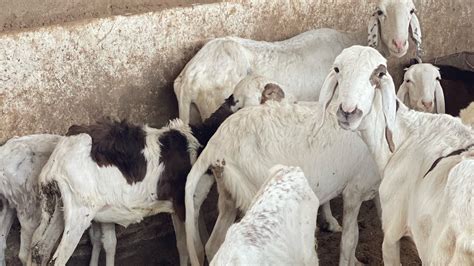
[254,90]
[391,22]
[421,89]
[359,72]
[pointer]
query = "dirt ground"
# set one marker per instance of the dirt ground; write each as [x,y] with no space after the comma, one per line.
[152,242]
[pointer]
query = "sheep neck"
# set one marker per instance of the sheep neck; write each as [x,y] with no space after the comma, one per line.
[372,131]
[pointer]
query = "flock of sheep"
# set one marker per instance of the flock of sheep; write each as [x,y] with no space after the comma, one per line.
[278,139]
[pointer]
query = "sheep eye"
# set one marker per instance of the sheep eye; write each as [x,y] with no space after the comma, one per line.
[379,12]
[336,69]
[407,81]
[412,11]
[381,74]
[438,78]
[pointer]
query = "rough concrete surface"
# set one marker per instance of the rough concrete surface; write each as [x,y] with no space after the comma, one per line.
[86,64]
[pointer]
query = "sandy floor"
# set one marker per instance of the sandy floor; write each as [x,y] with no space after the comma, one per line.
[152,242]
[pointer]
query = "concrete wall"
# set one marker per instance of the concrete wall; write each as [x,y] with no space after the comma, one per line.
[124,66]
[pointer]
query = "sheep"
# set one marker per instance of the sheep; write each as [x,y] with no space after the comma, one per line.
[254,90]
[116,172]
[467,115]
[22,161]
[452,91]
[302,61]
[255,138]
[426,161]
[113,172]
[421,89]
[278,228]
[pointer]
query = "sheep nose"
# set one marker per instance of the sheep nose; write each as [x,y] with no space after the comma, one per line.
[427,105]
[399,44]
[349,112]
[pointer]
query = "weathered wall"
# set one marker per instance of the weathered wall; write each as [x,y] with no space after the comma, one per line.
[124,66]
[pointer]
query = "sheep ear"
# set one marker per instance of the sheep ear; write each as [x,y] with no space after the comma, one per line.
[273,92]
[373,31]
[416,35]
[389,105]
[328,88]
[439,98]
[325,96]
[402,93]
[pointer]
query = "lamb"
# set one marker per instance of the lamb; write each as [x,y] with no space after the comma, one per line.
[254,139]
[302,61]
[467,115]
[427,161]
[278,228]
[116,172]
[452,91]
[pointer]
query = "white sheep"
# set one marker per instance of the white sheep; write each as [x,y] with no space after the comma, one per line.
[278,228]
[427,161]
[467,115]
[254,139]
[421,89]
[301,62]
[254,90]
[22,159]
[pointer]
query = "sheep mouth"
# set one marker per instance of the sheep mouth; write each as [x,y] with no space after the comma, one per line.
[398,53]
[344,125]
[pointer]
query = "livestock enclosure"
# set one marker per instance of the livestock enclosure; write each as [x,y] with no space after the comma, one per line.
[73,62]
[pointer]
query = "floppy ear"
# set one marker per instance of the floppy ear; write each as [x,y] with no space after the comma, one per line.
[328,88]
[373,31]
[402,93]
[439,98]
[326,94]
[416,35]
[389,106]
[273,92]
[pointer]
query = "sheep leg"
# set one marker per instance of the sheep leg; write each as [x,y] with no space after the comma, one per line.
[378,205]
[76,220]
[350,228]
[180,232]
[7,215]
[184,107]
[28,226]
[202,190]
[109,240]
[333,224]
[227,215]
[49,230]
[95,235]
[393,229]
[203,229]
[227,211]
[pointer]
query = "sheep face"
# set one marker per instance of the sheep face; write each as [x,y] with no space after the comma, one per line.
[394,18]
[358,73]
[420,88]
